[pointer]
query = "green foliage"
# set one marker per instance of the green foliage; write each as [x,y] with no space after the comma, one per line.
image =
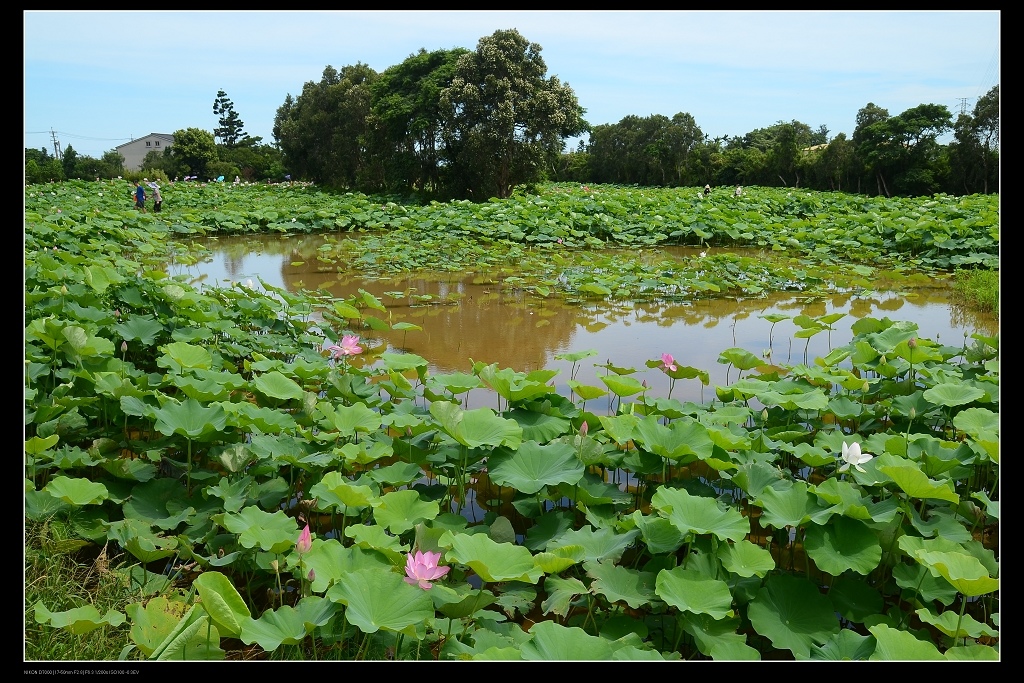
[503,120]
[230,125]
[194,149]
[203,429]
[322,132]
[978,289]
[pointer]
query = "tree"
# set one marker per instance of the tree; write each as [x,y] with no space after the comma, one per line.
[323,132]
[974,152]
[230,128]
[504,122]
[114,161]
[68,161]
[193,150]
[405,119]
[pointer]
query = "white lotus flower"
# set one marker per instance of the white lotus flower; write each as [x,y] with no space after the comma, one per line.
[853,456]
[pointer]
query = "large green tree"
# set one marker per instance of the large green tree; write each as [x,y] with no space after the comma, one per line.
[323,133]
[504,121]
[974,152]
[902,151]
[193,150]
[405,119]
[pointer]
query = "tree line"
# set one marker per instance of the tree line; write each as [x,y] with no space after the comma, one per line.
[476,124]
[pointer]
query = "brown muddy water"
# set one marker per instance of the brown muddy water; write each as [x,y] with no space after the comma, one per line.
[467,318]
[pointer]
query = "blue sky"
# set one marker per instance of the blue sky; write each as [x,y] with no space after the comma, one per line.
[101,78]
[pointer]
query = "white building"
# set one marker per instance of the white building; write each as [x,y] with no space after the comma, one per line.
[136,150]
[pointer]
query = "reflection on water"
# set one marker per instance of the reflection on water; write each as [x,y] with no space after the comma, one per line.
[478,318]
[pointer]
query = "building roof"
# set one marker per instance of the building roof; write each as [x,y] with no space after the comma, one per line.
[163,136]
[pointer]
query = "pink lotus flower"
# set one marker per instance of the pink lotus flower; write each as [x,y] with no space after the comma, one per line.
[421,569]
[668,362]
[349,346]
[304,543]
[584,428]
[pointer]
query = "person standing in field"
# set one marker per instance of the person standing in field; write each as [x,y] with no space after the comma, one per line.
[707,190]
[739,190]
[140,196]
[158,199]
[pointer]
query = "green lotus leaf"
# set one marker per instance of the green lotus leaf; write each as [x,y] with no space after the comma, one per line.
[399,511]
[949,394]
[37,446]
[395,474]
[916,356]
[739,358]
[675,441]
[601,544]
[349,420]
[844,646]
[540,427]
[718,638]
[287,625]
[744,558]
[916,483]
[142,328]
[78,620]
[972,652]
[843,543]
[77,492]
[694,592]
[553,642]
[180,356]
[917,579]
[222,602]
[335,489]
[558,559]
[854,598]
[560,594]
[659,534]
[791,505]
[347,310]
[331,561]
[894,645]
[621,428]
[700,515]
[955,625]
[456,383]
[792,614]
[189,418]
[964,572]
[976,422]
[475,428]
[153,622]
[621,584]
[622,386]
[516,386]
[158,503]
[586,392]
[492,561]
[267,420]
[377,600]
[532,466]
[272,532]
[276,385]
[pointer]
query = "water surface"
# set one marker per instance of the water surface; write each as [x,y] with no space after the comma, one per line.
[467,318]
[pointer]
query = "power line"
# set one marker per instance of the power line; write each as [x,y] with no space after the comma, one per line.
[76,136]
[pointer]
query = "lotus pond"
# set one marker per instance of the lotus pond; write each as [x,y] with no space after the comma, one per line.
[273,474]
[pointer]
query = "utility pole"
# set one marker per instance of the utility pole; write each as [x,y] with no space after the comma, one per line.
[56,144]
[963,105]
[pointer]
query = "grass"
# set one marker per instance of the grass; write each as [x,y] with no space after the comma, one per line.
[978,289]
[65,576]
